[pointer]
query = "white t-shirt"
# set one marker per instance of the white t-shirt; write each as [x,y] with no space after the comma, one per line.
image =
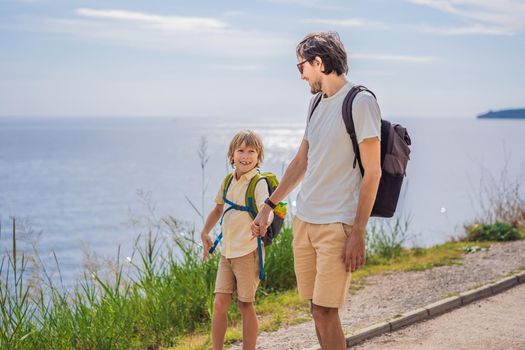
[330,190]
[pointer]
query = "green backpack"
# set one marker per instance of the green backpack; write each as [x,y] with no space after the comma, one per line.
[251,207]
[279,212]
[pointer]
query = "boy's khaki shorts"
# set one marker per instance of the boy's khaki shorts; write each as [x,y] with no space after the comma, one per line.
[241,274]
[319,269]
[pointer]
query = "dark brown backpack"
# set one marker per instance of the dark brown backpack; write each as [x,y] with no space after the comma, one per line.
[394,154]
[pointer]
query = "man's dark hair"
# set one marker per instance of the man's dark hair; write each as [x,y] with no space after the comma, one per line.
[327,46]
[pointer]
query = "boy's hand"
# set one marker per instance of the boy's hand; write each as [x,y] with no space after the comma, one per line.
[207,243]
[261,222]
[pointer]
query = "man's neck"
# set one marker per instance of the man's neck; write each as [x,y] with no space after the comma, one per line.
[332,84]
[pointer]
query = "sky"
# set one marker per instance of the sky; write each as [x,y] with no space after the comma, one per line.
[236,59]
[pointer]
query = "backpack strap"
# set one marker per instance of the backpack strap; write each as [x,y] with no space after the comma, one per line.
[250,194]
[349,121]
[226,184]
[317,99]
[250,207]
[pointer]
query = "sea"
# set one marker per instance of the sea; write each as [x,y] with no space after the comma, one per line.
[84,188]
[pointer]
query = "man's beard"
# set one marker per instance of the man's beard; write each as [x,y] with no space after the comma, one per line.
[315,87]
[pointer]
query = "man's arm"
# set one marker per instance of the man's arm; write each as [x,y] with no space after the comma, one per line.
[293,175]
[370,151]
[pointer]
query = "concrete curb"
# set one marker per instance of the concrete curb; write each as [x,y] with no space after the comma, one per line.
[435,309]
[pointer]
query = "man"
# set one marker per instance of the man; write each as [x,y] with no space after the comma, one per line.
[335,201]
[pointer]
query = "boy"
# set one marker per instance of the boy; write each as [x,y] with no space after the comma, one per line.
[239,263]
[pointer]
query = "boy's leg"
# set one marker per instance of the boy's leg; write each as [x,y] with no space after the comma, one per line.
[219,323]
[249,325]
[224,285]
[246,271]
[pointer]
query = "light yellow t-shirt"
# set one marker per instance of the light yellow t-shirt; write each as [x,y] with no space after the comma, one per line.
[236,231]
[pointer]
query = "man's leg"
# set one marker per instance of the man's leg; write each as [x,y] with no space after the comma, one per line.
[249,325]
[331,283]
[316,328]
[328,327]
[219,322]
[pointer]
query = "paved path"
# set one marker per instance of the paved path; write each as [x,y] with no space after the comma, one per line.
[385,296]
[497,322]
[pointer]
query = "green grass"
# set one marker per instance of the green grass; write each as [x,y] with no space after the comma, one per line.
[163,298]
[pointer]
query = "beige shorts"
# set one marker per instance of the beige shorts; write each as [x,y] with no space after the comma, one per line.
[240,274]
[319,268]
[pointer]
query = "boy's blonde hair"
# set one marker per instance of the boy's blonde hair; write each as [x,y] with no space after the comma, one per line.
[250,139]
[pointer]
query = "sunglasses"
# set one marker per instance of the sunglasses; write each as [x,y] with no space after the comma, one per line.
[300,66]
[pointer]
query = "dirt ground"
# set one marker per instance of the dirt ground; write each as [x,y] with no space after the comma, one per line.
[385,296]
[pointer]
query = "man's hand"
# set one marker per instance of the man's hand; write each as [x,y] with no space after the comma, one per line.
[207,243]
[261,222]
[354,253]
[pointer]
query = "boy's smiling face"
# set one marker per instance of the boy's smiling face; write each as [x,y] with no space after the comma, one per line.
[244,159]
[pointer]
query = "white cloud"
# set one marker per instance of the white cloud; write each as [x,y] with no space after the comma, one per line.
[22,1]
[392,57]
[233,13]
[237,67]
[501,17]
[349,22]
[466,30]
[161,22]
[192,35]
[313,4]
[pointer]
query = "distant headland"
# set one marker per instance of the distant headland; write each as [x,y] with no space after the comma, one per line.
[504,114]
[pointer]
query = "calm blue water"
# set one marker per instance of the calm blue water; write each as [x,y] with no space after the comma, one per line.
[75,183]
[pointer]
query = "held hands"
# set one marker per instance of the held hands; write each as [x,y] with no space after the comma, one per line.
[354,253]
[261,222]
[207,243]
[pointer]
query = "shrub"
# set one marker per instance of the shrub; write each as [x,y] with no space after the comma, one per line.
[386,239]
[499,231]
[500,198]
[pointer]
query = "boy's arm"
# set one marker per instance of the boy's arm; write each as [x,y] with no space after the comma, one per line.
[261,193]
[292,177]
[212,219]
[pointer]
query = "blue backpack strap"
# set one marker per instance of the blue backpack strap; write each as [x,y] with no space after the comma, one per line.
[261,262]
[252,210]
[250,207]
[226,184]
[215,244]
[219,237]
